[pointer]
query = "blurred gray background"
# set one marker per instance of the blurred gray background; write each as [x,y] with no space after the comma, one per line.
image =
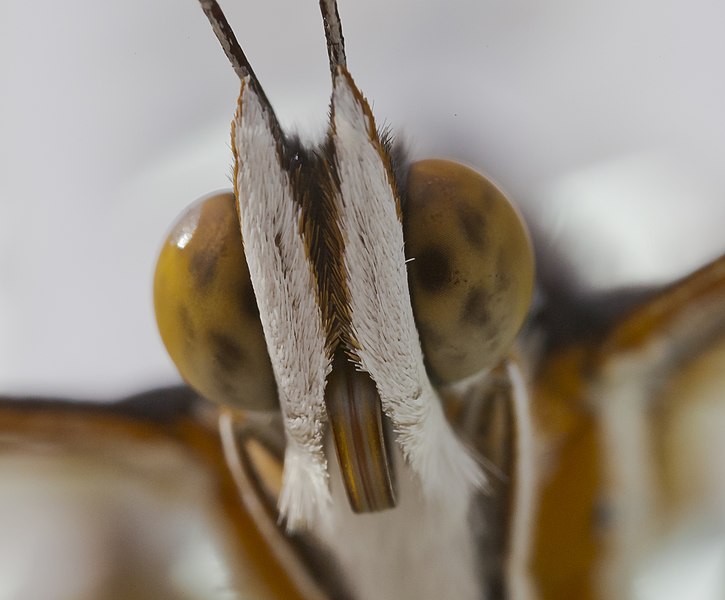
[602,120]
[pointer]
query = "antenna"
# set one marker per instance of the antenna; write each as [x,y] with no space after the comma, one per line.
[235,54]
[333,35]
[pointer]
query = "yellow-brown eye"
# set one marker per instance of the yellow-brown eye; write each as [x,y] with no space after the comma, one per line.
[472,268]
[206,310]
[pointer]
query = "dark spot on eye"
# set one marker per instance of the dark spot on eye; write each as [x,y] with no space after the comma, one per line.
[248,301]
[203,268]
[473,225]
[226,352]
[187,325]
[433,269]
[475,308]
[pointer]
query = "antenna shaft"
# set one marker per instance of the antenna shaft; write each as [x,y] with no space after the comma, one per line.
[333,35]
[234,52]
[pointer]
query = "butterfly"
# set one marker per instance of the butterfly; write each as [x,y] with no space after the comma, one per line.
[535,453]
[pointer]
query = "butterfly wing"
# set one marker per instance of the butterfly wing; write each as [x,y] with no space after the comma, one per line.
[629,423]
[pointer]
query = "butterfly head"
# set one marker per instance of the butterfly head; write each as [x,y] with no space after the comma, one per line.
[337,288]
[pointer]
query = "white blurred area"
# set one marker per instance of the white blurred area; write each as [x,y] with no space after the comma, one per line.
[75,527]
[602,120]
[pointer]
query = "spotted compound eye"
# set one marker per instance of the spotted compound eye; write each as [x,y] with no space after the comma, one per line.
[206,310]
[471,277]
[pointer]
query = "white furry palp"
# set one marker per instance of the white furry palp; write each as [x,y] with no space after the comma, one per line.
[383,327]
[285,289]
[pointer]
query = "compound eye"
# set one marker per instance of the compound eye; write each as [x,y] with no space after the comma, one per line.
[472,269]
[206,310]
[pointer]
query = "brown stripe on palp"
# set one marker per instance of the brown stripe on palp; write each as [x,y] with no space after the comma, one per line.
[315,186]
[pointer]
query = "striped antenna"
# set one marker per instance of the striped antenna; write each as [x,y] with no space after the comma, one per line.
[333,35]
[236,56]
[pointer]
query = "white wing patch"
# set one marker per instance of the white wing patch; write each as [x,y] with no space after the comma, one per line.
[285,288]
[382,317]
